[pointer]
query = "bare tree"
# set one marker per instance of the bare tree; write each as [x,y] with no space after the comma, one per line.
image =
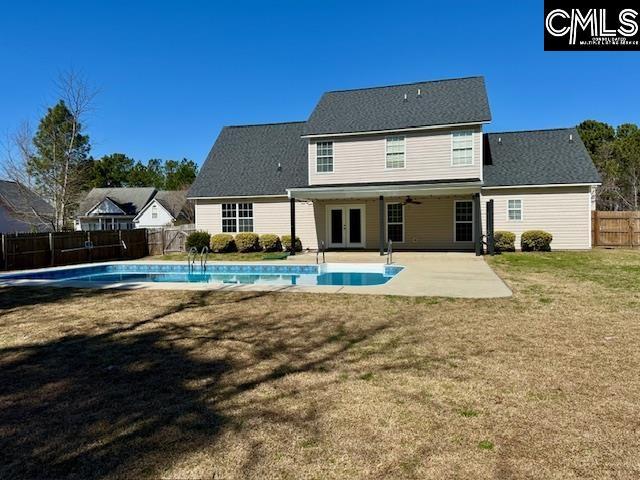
[18,148]
[189,207]
[54,160]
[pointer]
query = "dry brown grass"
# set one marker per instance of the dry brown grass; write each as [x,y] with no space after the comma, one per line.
[153,384]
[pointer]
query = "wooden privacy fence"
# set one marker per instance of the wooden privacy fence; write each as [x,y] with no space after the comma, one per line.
[615,229]
[37,250]
[168,240]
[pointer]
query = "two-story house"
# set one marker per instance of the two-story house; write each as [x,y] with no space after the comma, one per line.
[408,163]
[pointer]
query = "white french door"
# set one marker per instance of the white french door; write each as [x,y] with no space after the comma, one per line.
[345,226]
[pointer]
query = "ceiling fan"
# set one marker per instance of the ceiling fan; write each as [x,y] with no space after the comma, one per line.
[410,200]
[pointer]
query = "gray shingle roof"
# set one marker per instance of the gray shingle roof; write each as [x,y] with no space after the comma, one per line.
[131,200]
[172,200]
[21,200]
[441,102]
[537,157]
[244,161]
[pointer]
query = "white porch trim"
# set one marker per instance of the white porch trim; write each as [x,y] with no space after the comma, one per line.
[374,191]
[547,185]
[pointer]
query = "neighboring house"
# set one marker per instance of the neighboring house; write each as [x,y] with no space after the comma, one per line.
[21,210]
[128,208]
[407,163]
[168,207]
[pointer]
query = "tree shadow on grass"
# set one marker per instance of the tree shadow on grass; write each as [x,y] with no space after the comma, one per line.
[136,398]
[23,296]
[96,406]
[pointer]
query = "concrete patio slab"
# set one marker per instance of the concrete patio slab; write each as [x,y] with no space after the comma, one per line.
[441,274]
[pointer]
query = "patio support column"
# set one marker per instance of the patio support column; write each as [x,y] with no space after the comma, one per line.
[292,201]
[477,224]
[490,239]
[381,223]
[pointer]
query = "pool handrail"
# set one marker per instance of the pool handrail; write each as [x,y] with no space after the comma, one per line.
[320,249]
[193,251]
[203,258]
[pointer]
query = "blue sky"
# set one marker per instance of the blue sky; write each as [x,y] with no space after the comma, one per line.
[172,73]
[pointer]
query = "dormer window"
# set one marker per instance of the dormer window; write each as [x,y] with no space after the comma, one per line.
[462,149]
[395,152]
[324,157]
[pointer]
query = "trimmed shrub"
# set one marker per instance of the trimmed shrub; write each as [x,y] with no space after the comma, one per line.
[504,241]
[536,241]
[222,243]
[247,242]
[270,243]
[197,239]
[286,243]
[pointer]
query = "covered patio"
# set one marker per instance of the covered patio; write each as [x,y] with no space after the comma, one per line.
[419,216]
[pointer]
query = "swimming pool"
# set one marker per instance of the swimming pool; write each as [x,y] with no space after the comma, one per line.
[335,274]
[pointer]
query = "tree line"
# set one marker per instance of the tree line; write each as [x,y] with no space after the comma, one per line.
[55,160]
[118,170]
[616,154]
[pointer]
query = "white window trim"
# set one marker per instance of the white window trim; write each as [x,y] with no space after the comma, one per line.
[455,221]
[345,213]
[521,210]
[237,217]
[386,221]
[333,157]
[105,201]
[386,147]
[473,149]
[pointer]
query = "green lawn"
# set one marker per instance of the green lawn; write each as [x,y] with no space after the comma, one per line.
[619,269]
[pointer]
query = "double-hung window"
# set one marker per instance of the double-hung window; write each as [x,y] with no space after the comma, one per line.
[462,149]
[514,210]
[324,157]
[395,222]
[237,217]
[463,223]
[395,152]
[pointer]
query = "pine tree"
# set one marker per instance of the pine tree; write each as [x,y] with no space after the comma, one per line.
[60,162]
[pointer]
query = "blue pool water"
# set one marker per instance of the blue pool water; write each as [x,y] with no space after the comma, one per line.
[326,274]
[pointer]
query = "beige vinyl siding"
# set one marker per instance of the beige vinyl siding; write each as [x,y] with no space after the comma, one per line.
[565,212]
[427,157]
[428,226]
[269,216]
